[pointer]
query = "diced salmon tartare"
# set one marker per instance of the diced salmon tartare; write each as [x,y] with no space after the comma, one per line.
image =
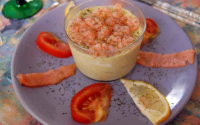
[103,28]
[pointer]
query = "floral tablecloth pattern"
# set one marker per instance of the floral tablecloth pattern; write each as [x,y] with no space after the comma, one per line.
[12,112]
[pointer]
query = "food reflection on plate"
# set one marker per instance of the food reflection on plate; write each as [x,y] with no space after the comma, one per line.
[105,42]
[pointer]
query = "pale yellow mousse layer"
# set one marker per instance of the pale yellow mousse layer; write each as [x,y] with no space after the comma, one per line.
[106,68]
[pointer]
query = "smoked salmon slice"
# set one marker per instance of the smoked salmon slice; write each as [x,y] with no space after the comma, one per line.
[149,59]
[174,60]
[47,78]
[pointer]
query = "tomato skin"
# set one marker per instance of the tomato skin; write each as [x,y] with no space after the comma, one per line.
[151,32]
[49,43]
[152,27]
[85,116]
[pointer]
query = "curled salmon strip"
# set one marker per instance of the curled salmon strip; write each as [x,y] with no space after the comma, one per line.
[149,59]
[50,77]
[174,60]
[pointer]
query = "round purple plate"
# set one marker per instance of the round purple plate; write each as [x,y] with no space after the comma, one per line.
[50,105]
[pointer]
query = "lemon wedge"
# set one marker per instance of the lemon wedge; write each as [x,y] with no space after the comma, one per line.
[149,100]
[69,7]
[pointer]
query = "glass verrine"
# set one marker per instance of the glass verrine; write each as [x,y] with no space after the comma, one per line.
[106,65]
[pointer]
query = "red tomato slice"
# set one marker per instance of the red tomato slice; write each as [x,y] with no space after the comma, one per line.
[152,27]
[151,32]
[50,44]
[91,103]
